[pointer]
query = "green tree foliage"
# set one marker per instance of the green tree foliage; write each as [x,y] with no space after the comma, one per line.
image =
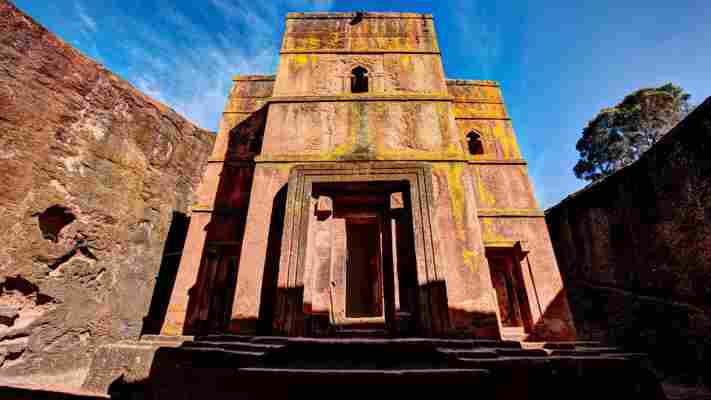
[617,136]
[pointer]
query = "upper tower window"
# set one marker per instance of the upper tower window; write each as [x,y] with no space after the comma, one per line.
[476,147]
[359,80]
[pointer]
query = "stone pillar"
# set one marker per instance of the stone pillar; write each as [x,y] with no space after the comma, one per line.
[176,315]
[268,180]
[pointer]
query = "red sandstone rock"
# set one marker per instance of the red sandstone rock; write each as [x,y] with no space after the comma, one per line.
[92,172]
[358,112]
[634,250]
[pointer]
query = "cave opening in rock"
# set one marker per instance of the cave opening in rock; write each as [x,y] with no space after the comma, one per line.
[53,220]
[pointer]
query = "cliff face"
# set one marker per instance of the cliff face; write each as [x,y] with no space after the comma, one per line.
[93,173]
[634,250]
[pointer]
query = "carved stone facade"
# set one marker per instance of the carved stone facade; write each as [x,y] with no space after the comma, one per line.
[358,190]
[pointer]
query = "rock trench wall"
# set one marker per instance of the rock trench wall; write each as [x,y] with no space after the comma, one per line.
[93,173]
[635,252]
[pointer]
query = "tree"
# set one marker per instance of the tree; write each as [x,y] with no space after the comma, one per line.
[617,136]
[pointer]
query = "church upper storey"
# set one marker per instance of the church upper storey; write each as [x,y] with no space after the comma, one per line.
[362,54]
[366,86]
[359,32]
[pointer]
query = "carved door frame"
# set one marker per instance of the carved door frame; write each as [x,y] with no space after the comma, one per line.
[289,318]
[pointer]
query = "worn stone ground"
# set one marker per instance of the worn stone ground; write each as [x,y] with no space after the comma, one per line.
[92,172]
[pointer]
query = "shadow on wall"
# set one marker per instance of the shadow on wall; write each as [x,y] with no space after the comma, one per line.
[211,297]
[271,265]
[675,335]
[634,251]
[167,272]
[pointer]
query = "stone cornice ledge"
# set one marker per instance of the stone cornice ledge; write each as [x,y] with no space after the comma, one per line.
[287,158]
[511,212]
[515,161]
[349,158]
[359,51]
[352,97]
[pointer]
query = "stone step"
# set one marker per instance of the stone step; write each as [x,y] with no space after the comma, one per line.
[471,353]
[509,333]
[207,357]
[521,352]
[223,338]
[213,350]
[338,353]
[571,345]
[164,338]
[354,380]
[275,383]
[239,346]
[270,339]
[587,351]
[524,361]
[463,343]
[366,372]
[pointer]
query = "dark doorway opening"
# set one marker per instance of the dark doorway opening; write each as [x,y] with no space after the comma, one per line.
[364,268]
[507,278]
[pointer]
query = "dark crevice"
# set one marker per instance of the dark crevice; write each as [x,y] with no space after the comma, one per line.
[14,337]
[61,260]
[81,247]
[53,220]
[14,355]
[84,250]
[43,299]
[18,284]
[25,288]
[8,319]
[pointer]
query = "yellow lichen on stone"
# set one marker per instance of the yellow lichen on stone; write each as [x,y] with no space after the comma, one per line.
[489,233]
[406,62]
[300,59]
[485,196]
[507,140]
[313,43]
[471,259]
[453,172]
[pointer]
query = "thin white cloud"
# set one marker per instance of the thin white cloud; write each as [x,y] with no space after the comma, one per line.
[310,5]
[479,34]
[190,69]
[88,23]
[186,59]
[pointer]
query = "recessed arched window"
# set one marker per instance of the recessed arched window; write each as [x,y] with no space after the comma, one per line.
[359,80]
[476,146]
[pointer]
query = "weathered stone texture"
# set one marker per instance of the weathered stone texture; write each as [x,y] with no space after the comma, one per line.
[358,32]
[634,250]
[92,172]
[404,123]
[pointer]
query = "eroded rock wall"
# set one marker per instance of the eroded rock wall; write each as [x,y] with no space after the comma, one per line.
[635,252]
[93,173]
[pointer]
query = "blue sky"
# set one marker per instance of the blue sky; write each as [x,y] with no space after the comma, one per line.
[558,62]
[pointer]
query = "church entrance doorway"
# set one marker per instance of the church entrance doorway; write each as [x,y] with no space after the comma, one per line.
[364,272]
[507,279]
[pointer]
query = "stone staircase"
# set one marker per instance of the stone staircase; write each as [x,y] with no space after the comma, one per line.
[234,367]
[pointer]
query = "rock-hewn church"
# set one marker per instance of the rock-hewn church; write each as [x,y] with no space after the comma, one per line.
[365,221]
[358,189]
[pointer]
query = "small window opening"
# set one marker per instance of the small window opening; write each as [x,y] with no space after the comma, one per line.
[476,146]
[359,80]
